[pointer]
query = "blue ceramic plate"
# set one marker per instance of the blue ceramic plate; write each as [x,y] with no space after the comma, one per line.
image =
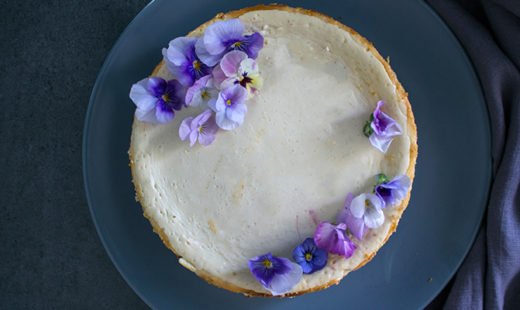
[449,192]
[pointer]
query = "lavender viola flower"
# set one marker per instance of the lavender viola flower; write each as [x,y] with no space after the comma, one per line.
[391,192]
[381,129]
[156,99]
[236,68]
[202,128]
[230,107]
[355,225]
[201,92]
[182,61]
[361,213]
[333,239]
[309,256]
[224,36]
[277,274]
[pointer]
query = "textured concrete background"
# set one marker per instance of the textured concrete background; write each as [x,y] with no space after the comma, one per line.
[50,55]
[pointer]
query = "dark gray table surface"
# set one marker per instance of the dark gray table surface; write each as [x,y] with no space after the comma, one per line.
[50,55]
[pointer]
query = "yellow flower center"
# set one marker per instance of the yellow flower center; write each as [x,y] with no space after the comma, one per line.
[165,97]
[196,65]
[367,203]
[267,263]
[236,44]
[308,257]
[200,128]
[228,102]
[204,94]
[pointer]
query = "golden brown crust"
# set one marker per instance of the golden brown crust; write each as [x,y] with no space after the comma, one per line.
[412,130]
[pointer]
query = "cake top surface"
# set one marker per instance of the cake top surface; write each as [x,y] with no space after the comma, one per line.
[264,186]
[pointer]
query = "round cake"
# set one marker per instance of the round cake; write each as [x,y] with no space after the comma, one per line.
[274,181]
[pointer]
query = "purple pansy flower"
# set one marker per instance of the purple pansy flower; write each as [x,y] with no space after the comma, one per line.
[230,107]
[355,225]
[361,213]
[309,256]
[277,274]
[156,99]
[236,68]
[202,127]
[333,239]
[393,191]
[182,61]
[224,36]
[381,129]
[201,92]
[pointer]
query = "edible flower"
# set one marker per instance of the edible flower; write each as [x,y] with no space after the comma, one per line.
[355,225]
[391,192]
[361,213]
[224,36]
[381,129]
[332,238]
[202,128]
[156,99]
[236,68]
[309,256]
[182,61]
[201,92]
[277,274]
[229,107]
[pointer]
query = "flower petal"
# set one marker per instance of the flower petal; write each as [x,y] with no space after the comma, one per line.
[319,260]
[326,237]
[156,86]
[254,43]
[346,209]
[374,217]
[203,117]
[299,257]
[170,65]
[236,93]
[229,82]
[247,67]
[193,137]
[147,116]
[260,271]
[209,130]
[358,205]
[179,50]
[204,55]
[237,113]
[163,113]
[231,62]
[141,97]
[206,139]
[220,103]
[374,200]
[184,74]
[400,184]
[184,129]
[218,76]
[380,142]
[356,225]
[256,82]
[212,104]
[394,191]
[223,122]
[283,283]
[195,88]
[220,33]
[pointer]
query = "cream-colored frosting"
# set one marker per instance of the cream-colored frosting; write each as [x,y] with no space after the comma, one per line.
[300,149]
